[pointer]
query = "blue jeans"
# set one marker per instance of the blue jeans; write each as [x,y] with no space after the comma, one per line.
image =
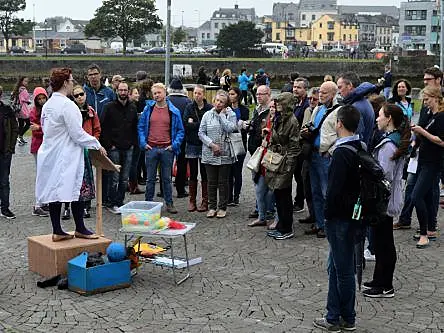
[153,158]
[5,168]
[119,180]
[319,181]
[341,271]
[407,210]
[264,198]
[425,196]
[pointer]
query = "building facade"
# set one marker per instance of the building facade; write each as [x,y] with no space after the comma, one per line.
[334,31]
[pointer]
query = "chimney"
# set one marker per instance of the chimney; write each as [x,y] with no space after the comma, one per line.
[236,6]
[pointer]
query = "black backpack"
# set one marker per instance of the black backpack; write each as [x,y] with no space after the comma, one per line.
[375,189]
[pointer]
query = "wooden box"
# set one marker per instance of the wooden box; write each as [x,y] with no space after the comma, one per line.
[49,258]
[97,279]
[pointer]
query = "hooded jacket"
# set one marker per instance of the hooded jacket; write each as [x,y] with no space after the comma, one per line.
[192,129]
[98,99]
[285,140]
[34,117]
[10,129]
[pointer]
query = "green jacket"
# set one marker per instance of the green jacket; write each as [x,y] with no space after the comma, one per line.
[284,140]
[10,129]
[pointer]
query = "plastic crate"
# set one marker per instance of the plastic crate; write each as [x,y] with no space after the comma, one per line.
[140,215]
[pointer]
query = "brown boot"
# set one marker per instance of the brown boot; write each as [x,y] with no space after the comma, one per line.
[134,188]
[204,204]
[192,188]
[130,187]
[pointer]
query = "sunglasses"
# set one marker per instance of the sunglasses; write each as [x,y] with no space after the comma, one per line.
[79,94]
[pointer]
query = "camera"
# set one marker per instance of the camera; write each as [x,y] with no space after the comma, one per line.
[309,126]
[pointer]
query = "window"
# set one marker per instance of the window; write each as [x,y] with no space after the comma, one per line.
[350,37]
[330,36]
[313,17]
[415,30]
[278,36]
[216,25]
[320,36]
[344,37]
[331,25]
[1,43]
[203,35]
[224,25]
[356,37]
[290,33]
[416,15]
[303,17]
[320,25]
[208,35]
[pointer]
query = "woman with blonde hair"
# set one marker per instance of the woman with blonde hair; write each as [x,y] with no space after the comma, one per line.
[430,156]
[225,80]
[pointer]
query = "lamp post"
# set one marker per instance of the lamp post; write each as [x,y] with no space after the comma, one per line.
[441,42]
[198,17]
[46,38]
[168,44]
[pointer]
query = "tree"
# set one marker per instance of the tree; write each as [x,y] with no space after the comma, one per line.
[179,35]
[125,19]
[239,36]
[9,23]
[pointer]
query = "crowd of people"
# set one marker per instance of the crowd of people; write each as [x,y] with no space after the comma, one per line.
[309,134]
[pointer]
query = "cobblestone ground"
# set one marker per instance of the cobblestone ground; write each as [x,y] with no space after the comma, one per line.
[246,283]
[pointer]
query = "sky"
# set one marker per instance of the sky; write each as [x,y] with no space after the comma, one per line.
[192,11]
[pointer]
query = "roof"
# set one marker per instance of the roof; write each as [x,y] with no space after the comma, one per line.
[235,12]
[385,10]
[50,34]
[205,26]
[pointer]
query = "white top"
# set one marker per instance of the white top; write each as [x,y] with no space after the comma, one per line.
[60,160]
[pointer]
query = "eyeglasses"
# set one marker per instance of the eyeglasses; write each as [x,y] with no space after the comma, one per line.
[93,74]
[429,78]
[262,94]
[79,94]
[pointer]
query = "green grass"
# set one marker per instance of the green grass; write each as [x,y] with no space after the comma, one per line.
[416,105]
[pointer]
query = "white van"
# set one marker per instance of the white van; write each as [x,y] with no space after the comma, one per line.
[274,48]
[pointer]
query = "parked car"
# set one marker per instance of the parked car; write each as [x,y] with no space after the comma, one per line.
[74,49]
[377,50]
[198,50]
[158,50]
[17,50]
[336,49]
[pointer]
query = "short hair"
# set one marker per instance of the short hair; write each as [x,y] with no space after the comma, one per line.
[436,72]
[200,86]
[350,78]
[303,80]
[123,82]
[94,66]
[59,76]
[314,90]
[141,75]
[349,117]
[294,76]
[221,92]
[159,85]
[328,77]
[78,86]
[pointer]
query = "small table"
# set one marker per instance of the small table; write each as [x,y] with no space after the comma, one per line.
[167,236]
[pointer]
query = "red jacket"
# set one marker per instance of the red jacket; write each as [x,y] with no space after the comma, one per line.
[91,124]
[34,117]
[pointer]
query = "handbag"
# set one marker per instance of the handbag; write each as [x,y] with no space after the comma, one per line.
[254,163]
[273,161]
[236,144]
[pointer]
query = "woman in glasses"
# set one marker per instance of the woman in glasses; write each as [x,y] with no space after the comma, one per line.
[91,125]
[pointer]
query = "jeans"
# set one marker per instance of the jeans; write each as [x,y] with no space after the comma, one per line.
[425,196]
[307,187]
[407,210]
[341,270]
[299,198]
[5,168]
[153,157]
[385,253]
[264,198]
[218,180]
[235,179]
[387,92]
[119,180]
[284,207]
[133,176]
[319,181]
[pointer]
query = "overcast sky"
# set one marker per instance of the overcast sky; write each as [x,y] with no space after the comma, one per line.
[193,11]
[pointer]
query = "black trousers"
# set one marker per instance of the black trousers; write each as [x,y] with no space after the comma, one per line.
[307,187]
[245,96]
[284,207]
[299,198]
[24,125]
[218,180]
[195,164]
[385,253]
[181,175]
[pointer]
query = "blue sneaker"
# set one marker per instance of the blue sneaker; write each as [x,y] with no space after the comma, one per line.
[323,324]
[273,233]
[282,236]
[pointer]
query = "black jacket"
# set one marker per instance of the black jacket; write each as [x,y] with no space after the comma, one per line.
[192,129]
[119,125]
[255,130]
[180,101]
[244,115]
[343,183]
[10,129]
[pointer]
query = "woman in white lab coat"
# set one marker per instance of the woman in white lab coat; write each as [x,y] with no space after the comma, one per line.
[60,163]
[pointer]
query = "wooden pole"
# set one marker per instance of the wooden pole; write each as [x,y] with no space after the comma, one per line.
[99,217]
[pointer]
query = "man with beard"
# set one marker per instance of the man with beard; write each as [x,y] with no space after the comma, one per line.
[118,137]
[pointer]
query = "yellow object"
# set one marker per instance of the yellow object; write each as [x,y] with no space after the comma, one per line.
[148,249]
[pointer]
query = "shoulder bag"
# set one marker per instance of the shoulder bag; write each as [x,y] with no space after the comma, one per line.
[254,163]
[273,161]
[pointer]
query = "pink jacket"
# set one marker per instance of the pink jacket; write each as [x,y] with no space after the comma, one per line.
[34,117]
[24,100]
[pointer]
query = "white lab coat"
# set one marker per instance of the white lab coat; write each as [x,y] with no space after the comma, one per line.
[60,159]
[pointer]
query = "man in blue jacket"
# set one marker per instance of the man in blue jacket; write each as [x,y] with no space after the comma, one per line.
[97,94]
[161,134]
[348,83]
[244,80]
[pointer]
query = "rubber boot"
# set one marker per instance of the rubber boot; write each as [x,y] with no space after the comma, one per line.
[192,188]
[204,204]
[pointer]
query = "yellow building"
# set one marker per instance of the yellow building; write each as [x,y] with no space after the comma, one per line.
[303,35]
[282,32]
[23,42]
[332,31]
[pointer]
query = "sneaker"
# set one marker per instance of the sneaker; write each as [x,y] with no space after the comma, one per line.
[254,214]
[221,213]
[376,292]
[45,208]
[369,256]
[399,225]
[5,212]
[38,211]
[273,233]
[86,214]
[368,285]
[346,326]
[280,236]
[66,214]
[236,201]
[322,323]
[171,209]
[321,233]
[298,209]
[114,210]
[231,204]
[211,213]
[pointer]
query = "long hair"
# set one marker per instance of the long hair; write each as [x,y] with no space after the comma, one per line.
[238,93]
[402,125]
[16,90]
[395,89]
[434,93]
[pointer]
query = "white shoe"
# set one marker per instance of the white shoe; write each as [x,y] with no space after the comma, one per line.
[441,192]
[114,209]
[369,256]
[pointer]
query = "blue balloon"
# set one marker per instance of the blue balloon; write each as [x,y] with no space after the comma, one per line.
[116,252]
